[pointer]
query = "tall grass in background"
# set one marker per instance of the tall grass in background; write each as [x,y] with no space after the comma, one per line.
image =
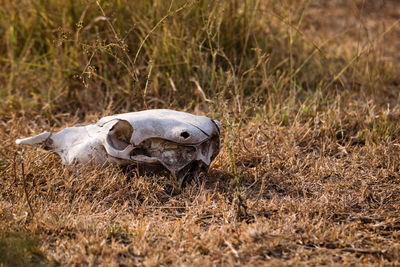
[238,58]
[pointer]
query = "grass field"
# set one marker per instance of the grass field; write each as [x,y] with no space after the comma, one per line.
[308,95]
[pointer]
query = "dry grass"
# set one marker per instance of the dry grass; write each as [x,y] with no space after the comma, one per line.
[308,95]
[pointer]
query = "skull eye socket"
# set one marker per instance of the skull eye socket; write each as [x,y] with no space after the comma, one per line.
[185,135]
[120,134]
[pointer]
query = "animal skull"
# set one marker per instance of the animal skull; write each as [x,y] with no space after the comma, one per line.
[183,143]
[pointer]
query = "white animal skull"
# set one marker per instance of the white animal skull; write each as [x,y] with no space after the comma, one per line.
[183,143]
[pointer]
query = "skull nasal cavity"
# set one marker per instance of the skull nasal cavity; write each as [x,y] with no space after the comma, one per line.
[185,135]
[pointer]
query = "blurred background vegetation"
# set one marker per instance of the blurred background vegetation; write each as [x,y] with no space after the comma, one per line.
[282,59]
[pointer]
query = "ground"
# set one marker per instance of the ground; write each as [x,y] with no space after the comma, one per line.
[308,96]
